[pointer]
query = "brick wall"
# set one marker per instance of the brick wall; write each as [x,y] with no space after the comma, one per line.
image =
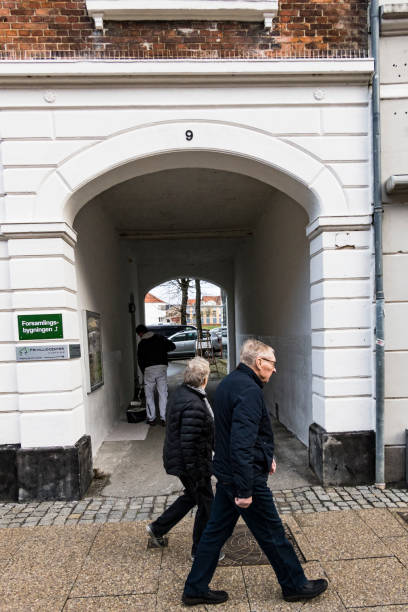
[56,27]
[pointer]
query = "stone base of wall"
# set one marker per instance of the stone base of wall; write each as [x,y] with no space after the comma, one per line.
[394,463]
[343,459]
[8,472]
[45,474]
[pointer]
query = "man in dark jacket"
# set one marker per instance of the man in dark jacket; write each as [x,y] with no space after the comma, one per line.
[243,458]
[187,453]
[153,361]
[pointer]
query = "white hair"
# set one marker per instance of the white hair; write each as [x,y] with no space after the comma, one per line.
[196,371]
[252,348]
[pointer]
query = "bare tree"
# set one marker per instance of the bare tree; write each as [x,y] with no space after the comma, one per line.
[224,307]
[198,306]
[178,291]
[184,284]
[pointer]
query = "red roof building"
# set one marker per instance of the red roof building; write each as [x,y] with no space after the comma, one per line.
[152,299]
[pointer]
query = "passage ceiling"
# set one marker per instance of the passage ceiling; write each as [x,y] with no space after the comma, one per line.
[182,199]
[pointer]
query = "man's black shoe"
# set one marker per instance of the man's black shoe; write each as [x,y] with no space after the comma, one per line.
[162,422]
[151,422]
[311,589]
[211,597]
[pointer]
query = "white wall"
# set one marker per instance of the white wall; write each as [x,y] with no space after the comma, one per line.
[153,312]
[103,287]
[394,160]
[341,276]
[272,304]
[307,138]
[41,401]
[395,246]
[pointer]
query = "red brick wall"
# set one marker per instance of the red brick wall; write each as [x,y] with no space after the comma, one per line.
[55,27]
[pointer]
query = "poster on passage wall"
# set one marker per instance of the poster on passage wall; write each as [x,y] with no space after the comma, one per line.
[94,335]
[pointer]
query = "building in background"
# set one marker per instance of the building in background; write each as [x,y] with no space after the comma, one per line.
[211,311]
[154,309]
[171,314]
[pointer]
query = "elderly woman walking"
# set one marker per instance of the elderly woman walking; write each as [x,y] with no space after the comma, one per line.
[187,453]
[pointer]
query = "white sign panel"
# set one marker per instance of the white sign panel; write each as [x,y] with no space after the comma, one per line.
[42,353]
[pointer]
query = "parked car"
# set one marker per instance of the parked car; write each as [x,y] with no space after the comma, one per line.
[217,334]
[188,344]
[170,329]
[185,342]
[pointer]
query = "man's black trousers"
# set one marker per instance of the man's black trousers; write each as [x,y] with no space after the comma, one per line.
[263,520]
[198,494]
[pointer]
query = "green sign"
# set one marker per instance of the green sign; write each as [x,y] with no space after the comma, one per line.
[40,327]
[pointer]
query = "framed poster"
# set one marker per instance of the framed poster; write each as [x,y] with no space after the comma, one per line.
[94,337]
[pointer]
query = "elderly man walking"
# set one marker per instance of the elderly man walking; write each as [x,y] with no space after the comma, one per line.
[244,450]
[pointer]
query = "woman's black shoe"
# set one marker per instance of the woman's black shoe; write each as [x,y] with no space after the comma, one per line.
[211,597]
[156,541]
[311,589]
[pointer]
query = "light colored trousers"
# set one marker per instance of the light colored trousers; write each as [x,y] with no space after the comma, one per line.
[156,376]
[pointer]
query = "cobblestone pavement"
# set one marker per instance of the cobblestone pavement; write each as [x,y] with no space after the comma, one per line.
[115,510]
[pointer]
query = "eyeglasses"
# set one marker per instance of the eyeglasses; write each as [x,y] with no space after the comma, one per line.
[270,361]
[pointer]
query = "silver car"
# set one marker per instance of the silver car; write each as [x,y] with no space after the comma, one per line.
[219,336]
[185,342]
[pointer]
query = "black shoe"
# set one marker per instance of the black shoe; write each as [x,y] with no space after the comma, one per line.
[162,422]
[156,541]
[311,589]
[151,423]
[211,597]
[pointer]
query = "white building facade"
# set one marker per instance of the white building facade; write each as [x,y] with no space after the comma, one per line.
[154,309]
[291,136]
[394,161]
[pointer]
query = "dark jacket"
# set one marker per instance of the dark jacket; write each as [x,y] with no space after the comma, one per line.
[152,350]
[189,435]
[243,433]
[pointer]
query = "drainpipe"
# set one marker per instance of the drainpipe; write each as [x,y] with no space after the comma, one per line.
[378,215]
[132,312]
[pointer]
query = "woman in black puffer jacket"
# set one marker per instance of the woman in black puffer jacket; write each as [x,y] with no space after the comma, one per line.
[187,453]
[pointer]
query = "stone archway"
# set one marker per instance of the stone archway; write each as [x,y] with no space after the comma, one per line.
[152,148]
[339,237]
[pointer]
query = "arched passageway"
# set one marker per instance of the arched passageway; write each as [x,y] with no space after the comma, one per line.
[233,205]
[225,227]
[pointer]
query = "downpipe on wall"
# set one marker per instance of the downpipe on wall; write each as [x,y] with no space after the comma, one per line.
[377,218]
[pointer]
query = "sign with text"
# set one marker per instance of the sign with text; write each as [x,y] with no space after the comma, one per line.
[42,353]
[40,327]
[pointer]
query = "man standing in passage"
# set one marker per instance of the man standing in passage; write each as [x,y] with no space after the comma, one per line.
[243,458]
[152,358]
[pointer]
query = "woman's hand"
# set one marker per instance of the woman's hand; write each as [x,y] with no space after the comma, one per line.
[273,467]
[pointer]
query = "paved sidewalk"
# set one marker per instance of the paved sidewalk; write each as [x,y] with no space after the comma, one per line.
[101,568]
[115,510]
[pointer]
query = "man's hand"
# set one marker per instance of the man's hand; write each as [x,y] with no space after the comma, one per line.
[273,467]
[243,502]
